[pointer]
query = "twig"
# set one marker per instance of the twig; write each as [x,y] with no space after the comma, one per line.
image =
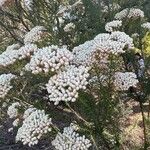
[24,85]
[148,109]
[144,126]
[55,128]
[94,142]
[78,115]
[22,101]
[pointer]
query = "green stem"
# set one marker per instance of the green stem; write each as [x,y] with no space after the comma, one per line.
[78,115]
[148,109]
[92,138]
[144,127]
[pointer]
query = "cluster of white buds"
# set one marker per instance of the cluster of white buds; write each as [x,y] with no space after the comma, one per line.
[11,55]
[28,112]
[110,7]
[5,3]
[69,27]
[123,38]
[135,35]
[105,45]
[13,47]
[28,4]
[13,110]
[83,53]
[2,2]
[64,11]
[123,81]
[130,13]
[110,46]
[8,58]
[26,51]
[146,25]
[48,59]
[34,127]
[113,25]
[71,140]
[35,35]
[114,43]
[64,86]
[5,84]
[102,37]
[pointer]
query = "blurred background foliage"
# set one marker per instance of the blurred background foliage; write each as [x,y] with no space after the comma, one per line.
[16,20]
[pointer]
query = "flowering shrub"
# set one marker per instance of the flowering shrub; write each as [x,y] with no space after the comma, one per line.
[73,58]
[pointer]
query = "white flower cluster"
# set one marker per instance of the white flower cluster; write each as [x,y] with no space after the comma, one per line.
[135,35]
[13,47]
[35,35]
[114,43]
[64,86]
[123,38]
[10,56]
[110,7]
[69,27]
[83,53]
[48,59]
[70,140]
[146,25]
[26,51]
[28,112]
[5,84]
[13,110]
[28,4]
[114,47]
[4,3]
[123,81]
[33,128]
[113,25]
[64,11]
[132,13]
[102,37]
